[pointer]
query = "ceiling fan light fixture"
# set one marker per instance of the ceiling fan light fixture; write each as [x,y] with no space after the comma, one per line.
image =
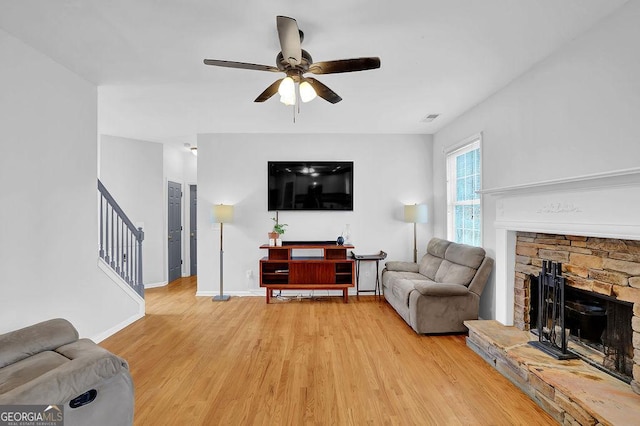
[287,88]
[287,91]
[307,94]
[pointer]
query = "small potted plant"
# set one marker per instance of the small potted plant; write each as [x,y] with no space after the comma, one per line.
[278,230]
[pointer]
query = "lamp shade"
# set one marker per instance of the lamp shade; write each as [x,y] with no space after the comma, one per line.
[415,213]
[222,213]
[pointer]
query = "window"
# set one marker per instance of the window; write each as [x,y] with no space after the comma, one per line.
[464,212]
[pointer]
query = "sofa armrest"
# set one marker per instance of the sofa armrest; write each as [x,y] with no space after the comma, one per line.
[395,265]
[430,288]
[44,336]
[479,281]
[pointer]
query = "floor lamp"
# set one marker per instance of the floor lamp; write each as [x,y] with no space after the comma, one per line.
[222,214]
[415,213]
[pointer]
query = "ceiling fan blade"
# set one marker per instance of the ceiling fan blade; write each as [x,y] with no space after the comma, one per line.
[345,65]
[269,91]
[323,91]
[289,35]
[241,65]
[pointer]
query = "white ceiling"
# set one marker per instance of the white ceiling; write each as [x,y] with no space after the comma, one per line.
[440,57]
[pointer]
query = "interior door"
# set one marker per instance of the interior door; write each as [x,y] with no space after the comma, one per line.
[174,197]
[193,229]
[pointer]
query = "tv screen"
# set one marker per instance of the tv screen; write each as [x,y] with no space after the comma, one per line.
[310,185]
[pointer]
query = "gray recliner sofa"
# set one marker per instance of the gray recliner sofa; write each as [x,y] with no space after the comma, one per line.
[46,364]
[440,292]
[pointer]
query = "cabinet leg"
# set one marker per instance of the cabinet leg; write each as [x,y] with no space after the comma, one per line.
[269,294]
[345,295]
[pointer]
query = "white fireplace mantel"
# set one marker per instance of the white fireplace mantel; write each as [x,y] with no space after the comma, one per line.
[603,205]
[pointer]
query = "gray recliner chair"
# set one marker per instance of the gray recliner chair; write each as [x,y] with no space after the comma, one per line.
[46,364]
[440,292]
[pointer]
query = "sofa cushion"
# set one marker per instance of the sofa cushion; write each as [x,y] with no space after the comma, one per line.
[31,340]
[438,247]
[455,274]
[28,369]
[429,265]
[392,276]
[401,289]
[463,254]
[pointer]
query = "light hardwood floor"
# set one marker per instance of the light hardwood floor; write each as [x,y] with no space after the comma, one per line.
[243,362]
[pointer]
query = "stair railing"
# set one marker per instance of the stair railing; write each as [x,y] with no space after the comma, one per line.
[120,241]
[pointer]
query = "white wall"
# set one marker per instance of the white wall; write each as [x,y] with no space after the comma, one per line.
[48,165]
[132,171]
[390,171]
[577,110]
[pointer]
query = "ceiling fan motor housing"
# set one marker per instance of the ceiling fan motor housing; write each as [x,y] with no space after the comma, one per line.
[283,64]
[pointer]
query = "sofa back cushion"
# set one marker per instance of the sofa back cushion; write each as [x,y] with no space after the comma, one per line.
[463,254]
[429,266]
[460,264]
[430,262]
[452,273]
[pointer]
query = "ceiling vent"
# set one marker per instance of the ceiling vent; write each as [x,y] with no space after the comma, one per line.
[429,118]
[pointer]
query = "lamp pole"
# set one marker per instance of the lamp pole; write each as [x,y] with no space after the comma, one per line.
[221,297]
[222,213]
[415,244]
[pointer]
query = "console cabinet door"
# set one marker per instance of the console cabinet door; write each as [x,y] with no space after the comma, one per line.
[312,273]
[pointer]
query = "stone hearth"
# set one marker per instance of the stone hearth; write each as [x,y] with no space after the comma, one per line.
[572,392]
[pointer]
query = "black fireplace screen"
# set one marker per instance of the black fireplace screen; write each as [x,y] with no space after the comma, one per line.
[594,327]
[550,325]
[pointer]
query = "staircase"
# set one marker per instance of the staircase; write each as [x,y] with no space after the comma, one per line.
[120,242]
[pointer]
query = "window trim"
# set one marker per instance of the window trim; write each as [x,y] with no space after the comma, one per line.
[462,147]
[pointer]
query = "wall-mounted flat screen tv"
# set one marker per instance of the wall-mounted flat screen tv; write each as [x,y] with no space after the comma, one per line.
[310,185]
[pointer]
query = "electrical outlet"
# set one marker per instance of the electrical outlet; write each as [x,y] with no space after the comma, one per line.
[249,273]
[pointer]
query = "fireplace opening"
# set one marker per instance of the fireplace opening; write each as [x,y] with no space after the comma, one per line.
[599,328]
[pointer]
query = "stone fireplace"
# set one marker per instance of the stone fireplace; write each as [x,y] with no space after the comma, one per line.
[603,281]
[591,224]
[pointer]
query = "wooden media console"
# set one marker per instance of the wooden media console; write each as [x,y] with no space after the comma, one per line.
[282,270]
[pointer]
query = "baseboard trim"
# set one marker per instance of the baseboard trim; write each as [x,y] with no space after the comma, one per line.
[113,330]
[154,285]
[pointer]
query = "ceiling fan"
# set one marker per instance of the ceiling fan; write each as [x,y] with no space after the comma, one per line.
[295,62]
